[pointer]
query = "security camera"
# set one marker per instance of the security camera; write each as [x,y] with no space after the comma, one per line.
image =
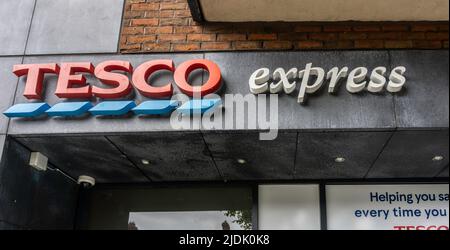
[86,181]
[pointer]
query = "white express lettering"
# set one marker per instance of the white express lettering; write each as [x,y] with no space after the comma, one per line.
[396,79]
[334,75]
[259,81]
[355,80]
[262,81]
[305,87]
[283,80]
[377,80]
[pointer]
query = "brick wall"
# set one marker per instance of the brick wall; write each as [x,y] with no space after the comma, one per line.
[167,26]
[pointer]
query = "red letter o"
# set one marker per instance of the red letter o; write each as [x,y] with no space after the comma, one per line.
[212,85]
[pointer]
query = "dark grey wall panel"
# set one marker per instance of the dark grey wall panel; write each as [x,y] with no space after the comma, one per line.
[8,83]
[15,20]
[342,111]
[443,173]
[94,156]
[32,199]
[409,154]
[172,156]
[75,26]
[425,99]
[265,160]
[8,226]
[322,111]
[97,124]
[317,152]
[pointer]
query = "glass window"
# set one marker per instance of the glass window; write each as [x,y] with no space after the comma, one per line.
[187,220]
[289,207]
[183,208]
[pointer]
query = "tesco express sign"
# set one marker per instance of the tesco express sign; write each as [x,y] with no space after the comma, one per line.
[71,84]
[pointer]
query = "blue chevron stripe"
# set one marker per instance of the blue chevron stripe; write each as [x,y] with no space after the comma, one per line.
[112,108]
[198,106]
[153,107]
[27,110]
[156,107]
[69,109]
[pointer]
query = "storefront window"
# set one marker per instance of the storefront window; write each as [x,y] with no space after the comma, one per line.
[289,207]
[187,208]
[187,220]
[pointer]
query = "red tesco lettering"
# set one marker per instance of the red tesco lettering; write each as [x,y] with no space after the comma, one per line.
[432,227]
[72,84]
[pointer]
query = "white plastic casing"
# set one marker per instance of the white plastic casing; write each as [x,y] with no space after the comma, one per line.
[38,161]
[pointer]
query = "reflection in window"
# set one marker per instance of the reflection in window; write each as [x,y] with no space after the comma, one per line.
[190,220]
[194,207]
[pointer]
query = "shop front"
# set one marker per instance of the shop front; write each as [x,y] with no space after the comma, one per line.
[334,140]
[150,115]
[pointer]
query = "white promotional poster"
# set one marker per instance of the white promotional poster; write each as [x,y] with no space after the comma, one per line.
[388,207]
